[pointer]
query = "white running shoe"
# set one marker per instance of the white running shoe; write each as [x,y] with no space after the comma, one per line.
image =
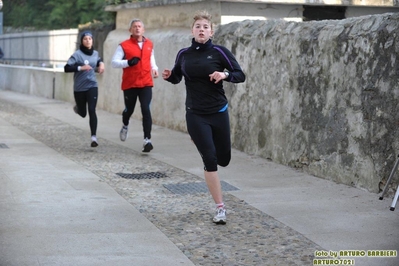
[123,133]
[220,217]
[94,142]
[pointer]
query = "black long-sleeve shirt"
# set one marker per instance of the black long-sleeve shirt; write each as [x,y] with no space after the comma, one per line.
[196,63]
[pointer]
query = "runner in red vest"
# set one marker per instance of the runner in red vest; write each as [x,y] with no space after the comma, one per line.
[136,57]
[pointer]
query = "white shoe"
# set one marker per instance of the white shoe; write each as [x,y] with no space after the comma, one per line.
[94,142]
[123,133]
[220,217]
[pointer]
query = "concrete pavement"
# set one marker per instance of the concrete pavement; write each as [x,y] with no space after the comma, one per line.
[54,211]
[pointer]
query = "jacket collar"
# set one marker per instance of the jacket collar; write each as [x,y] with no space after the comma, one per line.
[135,40]
[201,46]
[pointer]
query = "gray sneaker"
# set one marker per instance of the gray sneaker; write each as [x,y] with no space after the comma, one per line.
[220,217]
[123,133]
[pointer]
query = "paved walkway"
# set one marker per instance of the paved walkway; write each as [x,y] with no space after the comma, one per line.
[64,203]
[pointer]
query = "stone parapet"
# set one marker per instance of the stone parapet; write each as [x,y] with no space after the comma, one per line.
[155,3]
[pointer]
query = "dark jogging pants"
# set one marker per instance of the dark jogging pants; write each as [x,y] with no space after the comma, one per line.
[88,97]
[145,97]
[211,135]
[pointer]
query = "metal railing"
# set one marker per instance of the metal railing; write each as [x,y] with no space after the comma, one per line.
[49,49]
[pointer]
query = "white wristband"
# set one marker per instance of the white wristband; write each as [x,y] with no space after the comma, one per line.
[79,68]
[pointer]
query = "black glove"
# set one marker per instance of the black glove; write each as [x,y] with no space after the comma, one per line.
[133,61]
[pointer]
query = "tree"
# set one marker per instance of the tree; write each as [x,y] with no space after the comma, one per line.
[54,14]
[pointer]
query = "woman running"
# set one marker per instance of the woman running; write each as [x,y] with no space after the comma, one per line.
[205,66]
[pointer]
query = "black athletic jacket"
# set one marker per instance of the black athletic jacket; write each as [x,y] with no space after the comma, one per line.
[196,63]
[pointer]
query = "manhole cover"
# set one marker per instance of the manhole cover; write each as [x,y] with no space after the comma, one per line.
[196,187]
[148,175]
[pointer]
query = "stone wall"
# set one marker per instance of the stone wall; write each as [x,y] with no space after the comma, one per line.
[321,96]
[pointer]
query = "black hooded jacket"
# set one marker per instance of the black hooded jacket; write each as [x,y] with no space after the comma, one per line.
[196,63]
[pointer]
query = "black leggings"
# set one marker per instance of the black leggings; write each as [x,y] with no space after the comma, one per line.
[211,136]
[90,98]
[145,97]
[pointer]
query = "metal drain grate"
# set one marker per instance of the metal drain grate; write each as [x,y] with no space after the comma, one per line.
[148,175]
[3,146]
[196,187]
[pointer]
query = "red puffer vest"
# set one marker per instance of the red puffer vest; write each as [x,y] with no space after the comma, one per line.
[138,76]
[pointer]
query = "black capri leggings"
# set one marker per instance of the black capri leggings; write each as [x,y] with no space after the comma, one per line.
[89,97]
[211,135]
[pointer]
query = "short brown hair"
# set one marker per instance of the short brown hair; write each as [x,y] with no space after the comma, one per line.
[202,14]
